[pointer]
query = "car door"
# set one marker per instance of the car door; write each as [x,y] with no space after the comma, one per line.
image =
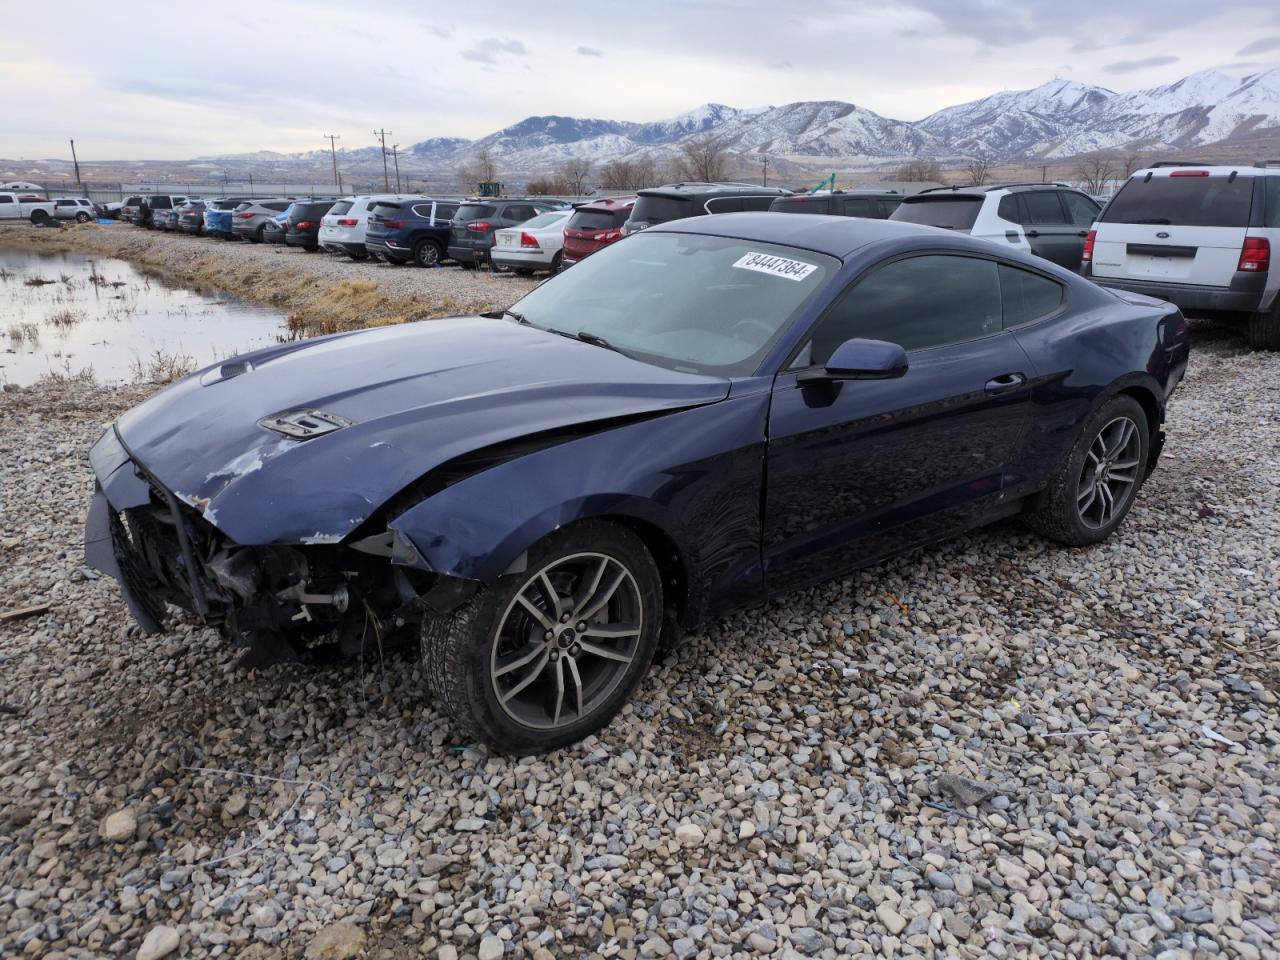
[860,469]
[1047,229]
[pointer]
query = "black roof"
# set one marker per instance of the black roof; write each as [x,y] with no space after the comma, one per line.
[690,189]
[988,187]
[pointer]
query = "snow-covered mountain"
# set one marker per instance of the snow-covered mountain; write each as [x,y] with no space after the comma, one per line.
[1063,118]
[1058,119]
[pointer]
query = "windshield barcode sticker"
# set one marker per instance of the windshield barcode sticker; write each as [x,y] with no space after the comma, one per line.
[776,266]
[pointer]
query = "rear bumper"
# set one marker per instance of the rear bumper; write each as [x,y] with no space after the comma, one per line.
[518,260]
[469,254]
[378,247]
[307,240]
[1246,293]
[352,249]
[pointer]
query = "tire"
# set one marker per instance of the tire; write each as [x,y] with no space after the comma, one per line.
[557,262]
[39,216]
[1263,330]
[523,272]
[82,218]
[461,650]
[260,234]
[1115,438]
[426,253]
[465,265]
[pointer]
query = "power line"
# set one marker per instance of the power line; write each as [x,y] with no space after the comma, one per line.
[386,177]
[331,137]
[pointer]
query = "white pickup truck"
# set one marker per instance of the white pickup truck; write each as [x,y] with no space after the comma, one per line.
[18,206]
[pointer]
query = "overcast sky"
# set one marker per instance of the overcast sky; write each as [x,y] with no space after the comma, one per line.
[135,79]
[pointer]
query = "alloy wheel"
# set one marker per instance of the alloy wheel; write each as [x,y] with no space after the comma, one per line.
[566,640]
[1110,473]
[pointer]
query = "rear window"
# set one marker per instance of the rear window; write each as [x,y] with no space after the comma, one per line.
[243,206]
[596,220]
[474,211]
[800,205]
[954,212]
[161,203]
[1185,201]
[313,209]
[653,210]
[342,206]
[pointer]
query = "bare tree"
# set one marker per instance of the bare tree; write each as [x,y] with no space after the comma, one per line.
[702,158]
[978,169]
[549,186]
[574,172]
[919,171]
[1095,172]
[629,174]
[481,168]
[1129,163]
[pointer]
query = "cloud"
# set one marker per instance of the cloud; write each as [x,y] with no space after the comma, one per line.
[488,50]
[1128,66]
[781,65]
[1259,46]
[440,30]
[585,51]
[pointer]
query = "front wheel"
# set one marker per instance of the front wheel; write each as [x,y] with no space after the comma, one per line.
[426,254]
[547,656]
[82,218]
[1094,488]
[1263,331]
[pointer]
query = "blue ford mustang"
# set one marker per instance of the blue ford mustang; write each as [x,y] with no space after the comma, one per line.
[699,417]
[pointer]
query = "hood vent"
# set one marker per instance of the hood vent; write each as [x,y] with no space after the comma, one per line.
[304,424]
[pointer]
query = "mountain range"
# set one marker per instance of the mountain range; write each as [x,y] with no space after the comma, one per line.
[1210,113]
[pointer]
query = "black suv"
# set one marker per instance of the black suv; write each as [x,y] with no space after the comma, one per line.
[675,201]
[872,204]
[471,237]
[1050,220]
[404,230]
[302,228]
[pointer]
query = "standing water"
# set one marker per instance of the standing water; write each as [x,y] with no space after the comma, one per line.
[65,313]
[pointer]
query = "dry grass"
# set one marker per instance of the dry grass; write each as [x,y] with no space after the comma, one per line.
[161,367]
[19,332]
[65,318]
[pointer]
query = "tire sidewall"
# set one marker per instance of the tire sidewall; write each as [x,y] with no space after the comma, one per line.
[420,251]
[1116,406]
[596,536]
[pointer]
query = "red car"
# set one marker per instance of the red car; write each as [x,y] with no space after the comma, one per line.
[594,225]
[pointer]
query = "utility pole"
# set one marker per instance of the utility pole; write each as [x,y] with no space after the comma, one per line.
[250,184]
[77,166]
[1044,173]
[396,156]
[764,166]
[386,178]
[334,153]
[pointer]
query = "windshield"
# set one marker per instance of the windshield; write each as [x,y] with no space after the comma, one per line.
[695,303]
[950,211]
[1186,201]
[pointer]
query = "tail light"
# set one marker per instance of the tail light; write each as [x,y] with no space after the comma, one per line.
[244,216]
[606,235]
[528,240]
[1256,255]
[1189,173]
[480,226]
[304,225]
[1087,256]
[348,223]
[394,224]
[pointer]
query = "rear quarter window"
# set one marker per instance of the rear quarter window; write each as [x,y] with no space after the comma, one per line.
[949,211]
[1185,201]
[725,205]
[1271,216]
[342,206]
[1026,296]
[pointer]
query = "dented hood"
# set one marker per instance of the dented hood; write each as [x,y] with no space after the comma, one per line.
[416,396]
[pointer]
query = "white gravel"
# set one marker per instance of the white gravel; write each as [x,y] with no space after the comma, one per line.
[778,787]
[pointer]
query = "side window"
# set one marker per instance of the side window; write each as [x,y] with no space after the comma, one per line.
[725,205]
[518,213]
[1027,296]
[5,198]
[1271,216]
[857,207]
[757,203]
[65,203]
[423,210]
[919,302]
[887,207]
[1008,209]
[1081,210]
[445,211]
[1042,206]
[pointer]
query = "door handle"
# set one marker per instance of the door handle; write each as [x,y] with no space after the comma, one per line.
[1083,233]
[1033,233]
[1005,382]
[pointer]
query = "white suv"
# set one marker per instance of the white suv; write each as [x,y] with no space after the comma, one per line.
[1199,236]
[74,208]
[342,229]
[1050,220]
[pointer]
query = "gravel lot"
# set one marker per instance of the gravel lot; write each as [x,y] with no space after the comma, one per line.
[989,747]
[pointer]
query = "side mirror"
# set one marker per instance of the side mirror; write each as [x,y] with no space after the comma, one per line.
[859,359]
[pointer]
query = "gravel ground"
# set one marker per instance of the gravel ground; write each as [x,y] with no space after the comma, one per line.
[989,747]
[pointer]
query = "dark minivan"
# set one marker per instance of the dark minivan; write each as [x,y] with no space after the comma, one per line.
[404,230]
[676,201]
[302,228]
[873,204]
[475,221]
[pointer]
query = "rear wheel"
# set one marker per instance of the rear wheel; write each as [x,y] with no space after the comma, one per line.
[557,262]
[1263,330]
[260,234]
[39,216]
[426,253]
[547,656]
[82,217]
[1092,491]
